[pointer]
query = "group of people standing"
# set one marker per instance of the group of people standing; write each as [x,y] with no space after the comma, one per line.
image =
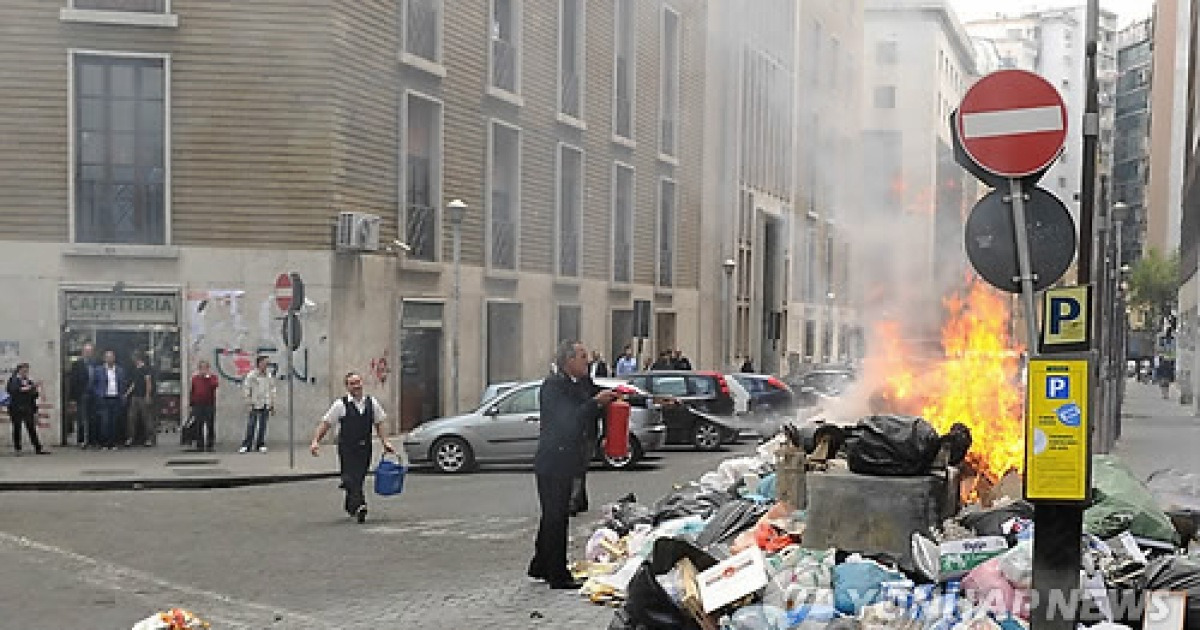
[627,364]
[103,392]
[258,389]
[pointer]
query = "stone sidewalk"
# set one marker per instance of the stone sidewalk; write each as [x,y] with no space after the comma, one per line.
[1157,434]
[160,467]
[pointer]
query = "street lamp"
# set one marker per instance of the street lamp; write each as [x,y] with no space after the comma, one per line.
[728,265]
[457,209]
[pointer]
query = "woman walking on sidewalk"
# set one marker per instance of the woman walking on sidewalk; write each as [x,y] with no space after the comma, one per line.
[22,407]
[357,415]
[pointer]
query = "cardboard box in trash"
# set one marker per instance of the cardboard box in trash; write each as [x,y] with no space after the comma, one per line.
[732,579]
[954,558]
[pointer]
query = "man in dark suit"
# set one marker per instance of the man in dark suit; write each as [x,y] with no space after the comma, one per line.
[569,404]
[108,384]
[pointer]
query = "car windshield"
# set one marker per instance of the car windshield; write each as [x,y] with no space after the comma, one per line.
[827,381]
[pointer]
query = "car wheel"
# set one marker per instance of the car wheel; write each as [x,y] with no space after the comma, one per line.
[706,436]
[627,462]
[452,455]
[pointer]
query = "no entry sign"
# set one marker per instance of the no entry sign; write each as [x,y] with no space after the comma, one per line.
[283,291]
[1012,123]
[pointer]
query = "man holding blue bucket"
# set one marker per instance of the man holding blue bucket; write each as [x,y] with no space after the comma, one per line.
[356,416]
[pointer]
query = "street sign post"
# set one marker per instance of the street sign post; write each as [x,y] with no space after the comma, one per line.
[991,242]
[1066,321]
[1056,431]
[283,292]
[289,297]
[1011,125]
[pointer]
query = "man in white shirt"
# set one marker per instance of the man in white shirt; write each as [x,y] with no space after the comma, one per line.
[108,382]
[626,364]
[357,415]
[259,388]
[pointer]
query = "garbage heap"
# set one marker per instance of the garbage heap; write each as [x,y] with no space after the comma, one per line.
[862,528]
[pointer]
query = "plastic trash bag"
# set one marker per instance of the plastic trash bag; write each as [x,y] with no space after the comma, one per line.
[1116,493]
[892,446]
[730,520]
[988,586]
[759,617]
[1173,573]
[647,605]
[626,514]
[1017,565]
[993,522]
[859,583]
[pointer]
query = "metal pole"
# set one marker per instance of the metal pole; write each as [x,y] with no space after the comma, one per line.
[454,332]
[725,323]
[1091,133]
[291,389]
[1024,266]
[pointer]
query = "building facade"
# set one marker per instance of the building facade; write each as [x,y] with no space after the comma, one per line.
[919,63]
[172,157]
[1131,136]
[1189,252]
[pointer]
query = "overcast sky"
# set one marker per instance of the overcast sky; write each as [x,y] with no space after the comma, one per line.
[1128,10]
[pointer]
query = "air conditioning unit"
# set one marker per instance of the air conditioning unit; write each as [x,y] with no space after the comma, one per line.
[357,232]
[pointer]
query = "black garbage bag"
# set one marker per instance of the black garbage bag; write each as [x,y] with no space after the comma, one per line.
[991,522]
[626,514]
[647,605]
[892,446]
[730,520]
[958,440]
[1175,573]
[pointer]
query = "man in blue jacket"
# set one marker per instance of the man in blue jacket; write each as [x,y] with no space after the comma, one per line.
[108,385]
[570,403]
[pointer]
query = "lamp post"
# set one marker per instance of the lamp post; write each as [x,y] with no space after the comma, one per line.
[457,209]
[829,332]
[728,265]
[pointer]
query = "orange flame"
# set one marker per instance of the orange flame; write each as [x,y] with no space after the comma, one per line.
[975,381]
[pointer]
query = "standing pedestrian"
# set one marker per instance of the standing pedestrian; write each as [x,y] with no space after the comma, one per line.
[568,405]
[680,362]
[81,393]
[109,383]
[597,368]
[663,362]
[747,366]
[1164,373]
[356,416]
[259,388]
[202,398]
[22,408]
[140,396]
[626,364]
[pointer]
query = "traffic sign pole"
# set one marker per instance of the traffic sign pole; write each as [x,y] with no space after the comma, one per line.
[1025,268]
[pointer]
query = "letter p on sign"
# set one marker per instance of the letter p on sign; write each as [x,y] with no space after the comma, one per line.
[1065,317]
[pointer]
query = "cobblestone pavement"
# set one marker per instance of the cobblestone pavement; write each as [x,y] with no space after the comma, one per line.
[449,553]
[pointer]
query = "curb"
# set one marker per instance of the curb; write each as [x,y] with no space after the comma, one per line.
[159,483]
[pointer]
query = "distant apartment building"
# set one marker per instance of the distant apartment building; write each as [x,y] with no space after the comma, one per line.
[169,158]
[781,162]
[1168,119]
[1131,137]
[919,63]
[1051,42]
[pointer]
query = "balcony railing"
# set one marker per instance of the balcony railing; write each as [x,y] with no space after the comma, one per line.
[504,65]
[621,264]
[420,231]
[666,268]
[570,94]
[624,114]
[421,28]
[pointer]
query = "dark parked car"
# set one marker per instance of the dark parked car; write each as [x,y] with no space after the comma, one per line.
[823,383]
[701,411]
[767,393]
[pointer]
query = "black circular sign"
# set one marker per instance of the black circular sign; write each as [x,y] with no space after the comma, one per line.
[992,245]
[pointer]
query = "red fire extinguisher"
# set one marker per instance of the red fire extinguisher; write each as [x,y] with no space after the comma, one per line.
[616,429]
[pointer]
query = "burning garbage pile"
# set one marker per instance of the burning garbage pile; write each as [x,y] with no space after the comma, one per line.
[862,526]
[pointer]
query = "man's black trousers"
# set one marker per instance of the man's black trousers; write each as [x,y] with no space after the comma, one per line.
[354,459]
[550,550]
[27,420]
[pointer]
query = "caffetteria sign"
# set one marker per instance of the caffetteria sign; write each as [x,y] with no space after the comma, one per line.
[137,308]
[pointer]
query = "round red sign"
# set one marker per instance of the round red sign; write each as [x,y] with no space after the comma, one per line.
[283,291]
[1012,123]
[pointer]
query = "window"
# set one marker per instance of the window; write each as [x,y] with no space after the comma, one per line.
[423,29]
[885,97]
[504,345]
[624,72]
[570,327]
[622,223]
[134,6]
[570,57]
[521,401]
[422,176]
[886,52]
[666,233]
[506,49]
[570,202]
[702,386]
[670,386]
[669,83]
[119,153]
[504,184]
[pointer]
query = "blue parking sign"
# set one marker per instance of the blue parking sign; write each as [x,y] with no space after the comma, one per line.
[1058,387]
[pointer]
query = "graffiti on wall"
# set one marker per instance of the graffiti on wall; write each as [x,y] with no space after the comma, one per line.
[233,329]
[233,364]
[379,369]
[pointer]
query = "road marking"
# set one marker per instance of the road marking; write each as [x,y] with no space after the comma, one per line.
[1012,122]
[220,609]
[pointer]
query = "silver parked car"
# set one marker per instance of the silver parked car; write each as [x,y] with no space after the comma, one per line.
[505,427]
